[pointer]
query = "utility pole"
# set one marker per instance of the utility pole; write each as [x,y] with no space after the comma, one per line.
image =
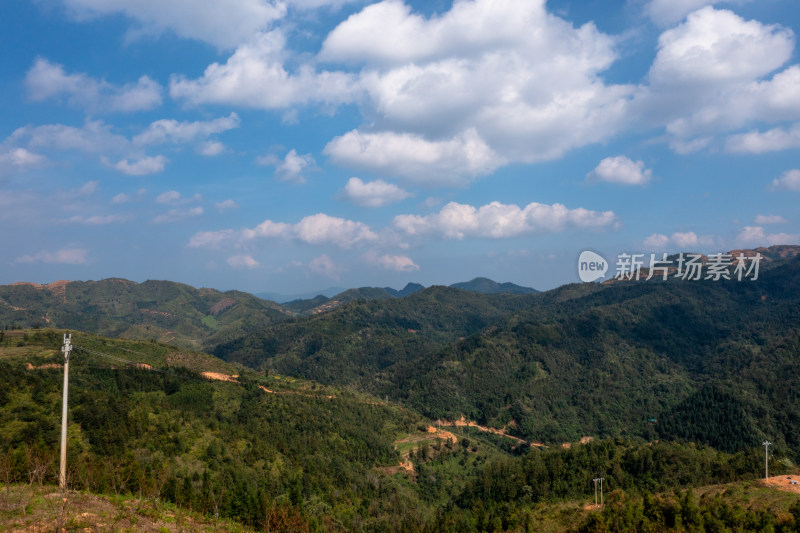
[766,444]
[601,491]
[596,480]
[62,477]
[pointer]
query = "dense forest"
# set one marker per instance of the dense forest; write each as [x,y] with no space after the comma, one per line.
[444,410]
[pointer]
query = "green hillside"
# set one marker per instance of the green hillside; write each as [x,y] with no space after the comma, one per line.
[154,310]
[488,286]
[353,342]
[713,362]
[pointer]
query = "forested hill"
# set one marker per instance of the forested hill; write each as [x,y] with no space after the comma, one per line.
[154,310]
[355,341]
[707,361]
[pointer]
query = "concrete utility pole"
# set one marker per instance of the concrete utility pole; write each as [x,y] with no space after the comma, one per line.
[598,480]
[62,477]
[601,491]
[766,444]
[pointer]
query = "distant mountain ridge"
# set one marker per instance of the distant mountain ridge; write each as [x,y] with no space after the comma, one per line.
[165,311]
[487,286]
[321,303]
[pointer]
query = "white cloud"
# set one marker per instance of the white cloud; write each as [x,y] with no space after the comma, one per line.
[414,157]
[316,229]
[789,180]
[756,236]
[292,167]
[226,205]
[242,261]
[177,214]
[773,140]
[222,23]
[498,221]
[47,80]
[213,239]
[121,198]
[168,130]
[94,137]
[464,86]
[621,170]
[168,197]
[678,240]
[324,265]
[175,198]
[322,229]
[18,159]
[254,76]
[400,263]
[64,256]
[211,148]
[373,193]
[97,220]
[707,79]
[715,46]
[143,166]
[769,219]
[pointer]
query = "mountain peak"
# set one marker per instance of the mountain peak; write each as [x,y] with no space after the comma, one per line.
[487,286]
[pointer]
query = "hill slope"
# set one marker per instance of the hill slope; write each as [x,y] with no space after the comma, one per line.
[487,286]
[161,310]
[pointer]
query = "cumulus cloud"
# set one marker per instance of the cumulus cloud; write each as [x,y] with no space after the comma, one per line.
[789,180]
[64,256]
[242,261]
[708,78]
[314,229]
[400,263]
[715,46]
[226,205]
[678,240]
[757,236]
[177,214]
[292,167]
[498,221]
[414,157]
[475,72]
[211,148]
[254,76]
[769,219]
[621,170]
[464,86]
[172,131]
[18,159]
[321,229]
[94,137]
[46,80]
[175,198]
[773,140]
[143,166]
[213,239]
[373,193]
[222,23]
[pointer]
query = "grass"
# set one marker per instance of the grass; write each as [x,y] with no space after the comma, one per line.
[45,508]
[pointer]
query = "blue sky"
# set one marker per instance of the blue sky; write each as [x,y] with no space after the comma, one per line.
[286,146]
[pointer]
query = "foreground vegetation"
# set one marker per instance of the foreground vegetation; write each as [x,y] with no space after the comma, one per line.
[282,454]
